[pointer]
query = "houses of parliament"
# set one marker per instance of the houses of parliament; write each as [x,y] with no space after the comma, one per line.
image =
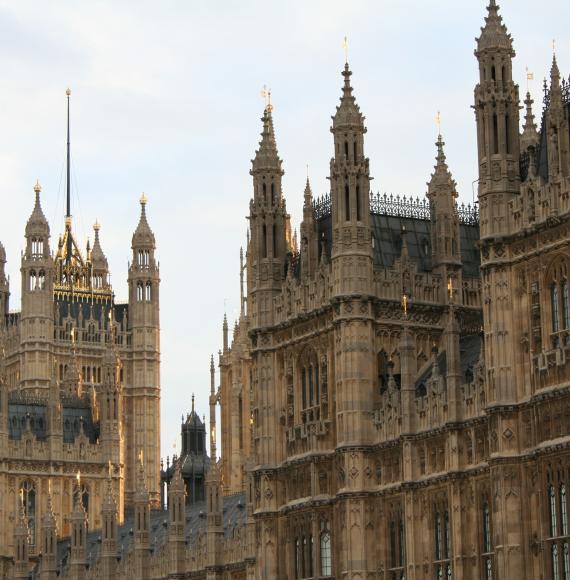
[394,398]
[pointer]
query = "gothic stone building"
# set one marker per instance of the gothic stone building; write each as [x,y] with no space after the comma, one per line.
[79,389]
[395,400]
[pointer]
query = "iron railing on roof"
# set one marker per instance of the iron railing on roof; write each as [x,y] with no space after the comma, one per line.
[400,206]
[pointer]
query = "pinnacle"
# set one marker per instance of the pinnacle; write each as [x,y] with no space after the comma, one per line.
[530,134]
[98,256]
[441,179]
[37,224]
[143,234]
[494,34]
[348,112]
[308,195]
[267,156]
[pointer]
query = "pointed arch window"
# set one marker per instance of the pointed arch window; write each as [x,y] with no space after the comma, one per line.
[326,549]
[346,203]
[487,538]
[565,305]
[558,538]
[148,291]
[442,541]
[264,238]
[554,302]
[272,193]
[140,292]
[358,212]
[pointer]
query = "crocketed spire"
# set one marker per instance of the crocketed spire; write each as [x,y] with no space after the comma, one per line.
[2,254]
[555,88]
[37,224]
[97,256]
[441,181]
[266,157]
[529,135]
[494,34]
[308,197]
[143,236]
[348,113]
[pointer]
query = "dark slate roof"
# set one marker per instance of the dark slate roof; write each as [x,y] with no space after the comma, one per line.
[542,150]
[234,516]
[100,311]
[387,234]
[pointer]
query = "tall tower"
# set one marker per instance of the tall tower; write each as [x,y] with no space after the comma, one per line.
[269,223]
[497,114]
[37,272]
[350,196]
[4,287]
[352,271]
[142,395]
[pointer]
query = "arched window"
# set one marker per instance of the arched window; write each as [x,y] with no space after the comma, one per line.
[563,510]
[358,216]
[148,292]
[437,532]
[272,193]
[565,305]
[326,551]
[28,498]
[354,150]
[264,188]
[555,307]
[508,132]
[298,559]
[493,73]
[264,238]
[486,528]
[304,387]
[552,510]
[33,280]
[346,203]
[346,148]
[139,291]
[274,241]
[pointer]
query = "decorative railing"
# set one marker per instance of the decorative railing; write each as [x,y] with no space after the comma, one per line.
[400,206]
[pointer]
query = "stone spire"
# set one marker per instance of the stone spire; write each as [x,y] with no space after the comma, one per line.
[37,225]
[308,197]
[442,195]
[21,539]
[48,562]
[225,333]
[110,528]
[529,136]
[177,522]
[494,35]
[4,287]
[441,179]
[143,235]
[266,157]
[348,112]
[556,102]
[142,522]
[78,560]
[97,256]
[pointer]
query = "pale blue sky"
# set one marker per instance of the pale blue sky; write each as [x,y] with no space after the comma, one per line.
[166,100]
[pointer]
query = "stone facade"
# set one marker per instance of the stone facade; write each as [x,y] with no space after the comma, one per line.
[79,390]
[394,399]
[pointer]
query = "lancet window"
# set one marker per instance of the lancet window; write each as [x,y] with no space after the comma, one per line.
[559,304]
[397,546]
[558,541]
[325,549]
[442,544]
[310,386]
[487,540]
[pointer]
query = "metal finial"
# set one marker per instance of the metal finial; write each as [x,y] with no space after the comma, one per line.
[345,47]
[143,199]
[68,92]
[37,186]
[96,226]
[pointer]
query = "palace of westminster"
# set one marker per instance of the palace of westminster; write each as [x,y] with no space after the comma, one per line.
[394,399]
